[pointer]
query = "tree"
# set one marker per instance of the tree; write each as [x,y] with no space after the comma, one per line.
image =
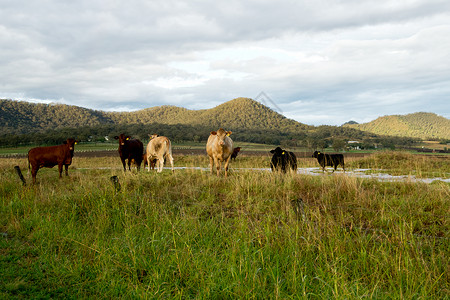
[338,144]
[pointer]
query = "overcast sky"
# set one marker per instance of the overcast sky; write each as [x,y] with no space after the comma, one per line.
[318,62]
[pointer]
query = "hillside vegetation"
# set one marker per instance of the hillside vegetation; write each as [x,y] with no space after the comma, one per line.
[25,123]
[22,117]
[418,125]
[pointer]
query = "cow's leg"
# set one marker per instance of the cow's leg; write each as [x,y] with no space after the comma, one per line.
[226,166]
[34,171]
[218,165]
[138,163]
[129,164]
[211,164]
[123,164]
[67,169]
[60,169]
[160,164]
[169,156]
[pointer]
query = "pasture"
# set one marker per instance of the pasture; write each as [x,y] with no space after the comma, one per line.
[253,235]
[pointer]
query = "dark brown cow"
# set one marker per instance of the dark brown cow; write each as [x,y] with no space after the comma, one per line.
[51,156]
[235,152]
[131,149]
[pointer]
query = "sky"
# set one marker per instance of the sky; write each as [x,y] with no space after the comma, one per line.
[321,62]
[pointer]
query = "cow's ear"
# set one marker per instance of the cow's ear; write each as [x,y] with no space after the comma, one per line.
[228,133]
[272,151]
[116,137]
[213,132]
[76,142]
[282,153]
[127,138]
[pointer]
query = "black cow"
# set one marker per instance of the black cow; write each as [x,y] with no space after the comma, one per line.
[283,160]
[51,156]
[235,152]
[131,149]
[332,160]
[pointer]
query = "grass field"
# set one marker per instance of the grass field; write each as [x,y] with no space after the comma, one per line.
[252,235]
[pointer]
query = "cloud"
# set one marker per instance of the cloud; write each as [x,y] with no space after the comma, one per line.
[356,59]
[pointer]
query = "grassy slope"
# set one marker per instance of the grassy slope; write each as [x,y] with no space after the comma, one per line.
[420,125]
[194,235]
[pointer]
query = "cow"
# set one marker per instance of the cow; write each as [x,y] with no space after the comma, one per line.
[332,160]
[152,162]
[283,160]
[235,153]
[48,157]
[219,148]
[159,148]
[131,149]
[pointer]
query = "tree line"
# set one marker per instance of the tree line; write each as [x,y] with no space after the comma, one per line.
[322,137]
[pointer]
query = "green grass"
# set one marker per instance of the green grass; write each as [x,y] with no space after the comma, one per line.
[193,235]
[406,163]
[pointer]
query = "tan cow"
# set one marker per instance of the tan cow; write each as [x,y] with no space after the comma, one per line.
[159,148]
[219,148]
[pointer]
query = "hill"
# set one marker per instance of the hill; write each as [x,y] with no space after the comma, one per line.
[417,125]
[243,113]
[20,117]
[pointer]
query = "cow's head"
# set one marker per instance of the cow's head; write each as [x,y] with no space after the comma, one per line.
[122,139]
[277,151]
[221,135]
[71,143]
[316,154]
[152,136]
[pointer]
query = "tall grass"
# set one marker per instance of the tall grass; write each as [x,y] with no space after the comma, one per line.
[193,235]
[405,163]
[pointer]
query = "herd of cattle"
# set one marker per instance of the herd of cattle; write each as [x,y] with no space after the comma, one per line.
[219,148]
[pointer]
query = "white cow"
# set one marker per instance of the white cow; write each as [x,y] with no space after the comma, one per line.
[159,148]
[219,148]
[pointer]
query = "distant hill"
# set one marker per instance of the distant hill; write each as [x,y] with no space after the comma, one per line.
[350,123]
[417,125]
[19,117]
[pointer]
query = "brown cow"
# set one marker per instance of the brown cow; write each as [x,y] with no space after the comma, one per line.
[152,162]
[235,152]
[48,157]
[219,148]
[159,147]
[131,149]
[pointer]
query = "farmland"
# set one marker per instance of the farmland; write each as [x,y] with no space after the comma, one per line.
[252,235]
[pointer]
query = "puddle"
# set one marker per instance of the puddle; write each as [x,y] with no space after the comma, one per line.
[316,171]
